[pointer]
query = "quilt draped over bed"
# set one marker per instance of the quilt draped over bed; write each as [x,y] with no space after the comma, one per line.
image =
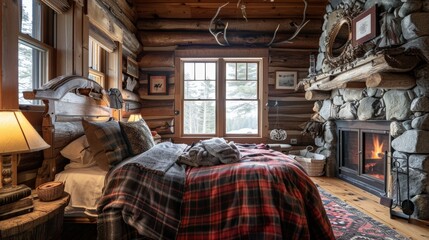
[266,195]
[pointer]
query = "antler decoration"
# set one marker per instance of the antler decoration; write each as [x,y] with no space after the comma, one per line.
[218,22]
[298,27]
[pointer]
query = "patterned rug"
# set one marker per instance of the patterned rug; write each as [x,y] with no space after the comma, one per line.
[349,223]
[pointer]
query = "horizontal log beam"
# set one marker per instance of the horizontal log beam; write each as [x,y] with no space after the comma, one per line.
[207,9]
[360,70]
[160,39]
[317,95]
[120,13]
[391,81]
[157,59]
[258,25]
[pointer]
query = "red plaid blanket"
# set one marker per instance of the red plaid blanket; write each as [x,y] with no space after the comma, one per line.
[265,196]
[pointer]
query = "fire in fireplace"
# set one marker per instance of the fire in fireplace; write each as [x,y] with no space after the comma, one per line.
[375,147]
[361,150]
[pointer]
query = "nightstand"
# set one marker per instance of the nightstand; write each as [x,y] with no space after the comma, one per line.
[44,222]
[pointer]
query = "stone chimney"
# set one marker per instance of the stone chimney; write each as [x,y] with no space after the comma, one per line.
[384,77]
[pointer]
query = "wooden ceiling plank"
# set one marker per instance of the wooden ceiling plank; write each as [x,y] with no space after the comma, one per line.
[207,9]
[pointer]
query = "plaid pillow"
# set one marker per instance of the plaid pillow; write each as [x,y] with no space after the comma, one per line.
[138,136]
[106,142]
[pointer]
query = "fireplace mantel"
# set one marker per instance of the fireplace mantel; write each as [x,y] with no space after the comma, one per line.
[371,71]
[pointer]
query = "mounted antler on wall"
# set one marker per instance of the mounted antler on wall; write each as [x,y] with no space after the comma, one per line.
[218,28]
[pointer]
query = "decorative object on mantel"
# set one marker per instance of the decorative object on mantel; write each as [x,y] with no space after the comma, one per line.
[221,28]
[278,134]
[365,26]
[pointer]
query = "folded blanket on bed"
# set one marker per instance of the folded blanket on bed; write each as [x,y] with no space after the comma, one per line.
[211,152]
[226,152]
[159,158]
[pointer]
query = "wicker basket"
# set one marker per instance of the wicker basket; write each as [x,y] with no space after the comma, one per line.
[313,163]
[50,191]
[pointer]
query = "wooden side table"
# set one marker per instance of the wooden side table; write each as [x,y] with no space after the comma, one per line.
[45,222]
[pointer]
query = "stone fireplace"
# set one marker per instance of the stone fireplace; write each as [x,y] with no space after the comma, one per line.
[374,97]
[361,154]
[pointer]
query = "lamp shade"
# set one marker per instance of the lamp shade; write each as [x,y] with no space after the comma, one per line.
[135,117]
[17,135]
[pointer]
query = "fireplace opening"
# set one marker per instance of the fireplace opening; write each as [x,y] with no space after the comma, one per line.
[360,157]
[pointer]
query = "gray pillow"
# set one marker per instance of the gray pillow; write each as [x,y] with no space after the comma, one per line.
[137,136]
[107,143]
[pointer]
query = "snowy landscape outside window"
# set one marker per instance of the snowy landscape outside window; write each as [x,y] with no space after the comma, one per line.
[221,101]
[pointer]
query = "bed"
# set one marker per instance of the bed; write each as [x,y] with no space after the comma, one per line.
[153,192]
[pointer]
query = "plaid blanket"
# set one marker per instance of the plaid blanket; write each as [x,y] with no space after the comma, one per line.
[137,199]
[266,195]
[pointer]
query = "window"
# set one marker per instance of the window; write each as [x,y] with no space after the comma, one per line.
[33,53]
[221,97]
[98,57]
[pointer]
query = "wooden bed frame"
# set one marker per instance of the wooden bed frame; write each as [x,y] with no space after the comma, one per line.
[68,100]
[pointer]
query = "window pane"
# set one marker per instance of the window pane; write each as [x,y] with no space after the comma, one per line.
[230,71]
[200,73]
[199,117]
[200,89]
[189,71]
[31,62]
[241,71]
[252,71]
[30,18]
[210,71]
[241,90]
[242,117]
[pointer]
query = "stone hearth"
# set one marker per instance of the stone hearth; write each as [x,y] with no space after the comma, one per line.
[376,81]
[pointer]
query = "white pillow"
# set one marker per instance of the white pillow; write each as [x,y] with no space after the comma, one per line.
[78,152]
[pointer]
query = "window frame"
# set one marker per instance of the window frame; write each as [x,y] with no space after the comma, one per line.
[260,56]
[259,99]
[47,21]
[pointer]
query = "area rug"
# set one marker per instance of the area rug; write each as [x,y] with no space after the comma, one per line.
[349,223]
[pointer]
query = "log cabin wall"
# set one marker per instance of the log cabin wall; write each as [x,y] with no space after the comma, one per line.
[164,28]
[293,109]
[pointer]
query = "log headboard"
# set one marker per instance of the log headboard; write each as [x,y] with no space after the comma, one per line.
[68,100]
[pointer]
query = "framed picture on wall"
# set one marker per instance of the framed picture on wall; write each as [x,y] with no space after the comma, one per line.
[286,79]
[365,26]
[132,67]
[158,85]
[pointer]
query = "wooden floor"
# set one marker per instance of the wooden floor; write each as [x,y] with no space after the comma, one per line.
[369,204]
[358,198]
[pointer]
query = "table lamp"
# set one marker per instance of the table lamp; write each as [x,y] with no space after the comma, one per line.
[17,136]
[135,117]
